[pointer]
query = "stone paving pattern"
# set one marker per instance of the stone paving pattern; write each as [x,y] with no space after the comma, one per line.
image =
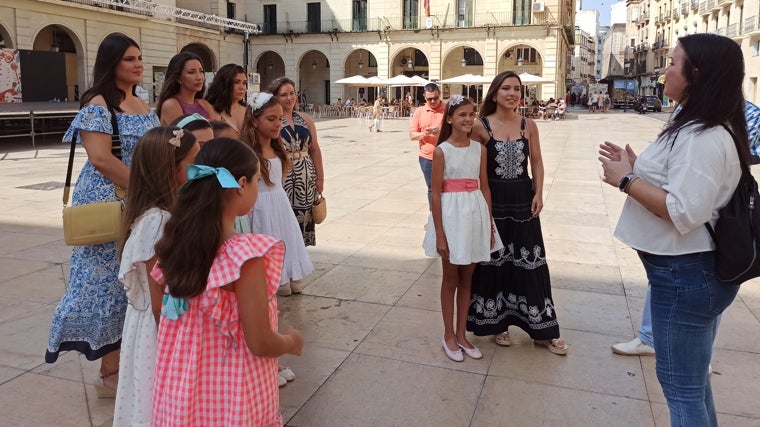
[371,314]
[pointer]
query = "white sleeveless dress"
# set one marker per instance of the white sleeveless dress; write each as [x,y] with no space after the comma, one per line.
[273,215]
[465,216]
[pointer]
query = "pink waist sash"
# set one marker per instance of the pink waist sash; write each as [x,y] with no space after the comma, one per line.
[460,185]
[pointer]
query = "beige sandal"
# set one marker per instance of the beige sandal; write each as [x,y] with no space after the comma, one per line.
[503,339]
[107,385]
[555,345]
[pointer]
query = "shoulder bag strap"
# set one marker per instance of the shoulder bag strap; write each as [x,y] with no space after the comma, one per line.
[115,139]
[67,185]
[115,150]
[522,127]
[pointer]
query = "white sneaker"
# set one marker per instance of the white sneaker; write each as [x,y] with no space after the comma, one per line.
[633,348]
[281,382]
[287,373]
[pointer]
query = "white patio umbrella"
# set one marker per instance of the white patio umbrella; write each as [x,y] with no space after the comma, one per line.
[528,79]
[376,81]
[467,80]
[532,78]
[401,80]
[357,80]
[421,81]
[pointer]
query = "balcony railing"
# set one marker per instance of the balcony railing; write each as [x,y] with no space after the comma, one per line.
[711,4]
[750,24]
[685,9]
[386,24]
[720,31]
[120,8]
[660,44]
[732,30]
[695,4]
[676,13]
[703,8]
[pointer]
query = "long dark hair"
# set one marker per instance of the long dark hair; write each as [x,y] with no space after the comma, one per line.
[170,87]
[152,176]
[451,108]
[110,52]
[248,135]
[220,92]
[193,234]
[714,72]
[489,103]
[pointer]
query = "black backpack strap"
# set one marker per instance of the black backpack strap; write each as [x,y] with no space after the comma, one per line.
[487,125]
[746,176]
[522,127]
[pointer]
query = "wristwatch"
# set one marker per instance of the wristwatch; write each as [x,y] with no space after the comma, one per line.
[625,180]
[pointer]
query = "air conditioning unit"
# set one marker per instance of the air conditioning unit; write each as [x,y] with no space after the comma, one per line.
[538,6]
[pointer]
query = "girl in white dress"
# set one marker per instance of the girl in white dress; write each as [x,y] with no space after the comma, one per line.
[272,214]
[460,228]
[159,168]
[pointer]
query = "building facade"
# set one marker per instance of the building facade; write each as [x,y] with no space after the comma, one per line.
[655,25]
[315,43]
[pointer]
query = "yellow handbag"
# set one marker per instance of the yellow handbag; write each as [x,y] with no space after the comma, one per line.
[93,223]
[319,209]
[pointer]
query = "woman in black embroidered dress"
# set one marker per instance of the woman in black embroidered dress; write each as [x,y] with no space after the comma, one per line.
[306,179]
[514,287]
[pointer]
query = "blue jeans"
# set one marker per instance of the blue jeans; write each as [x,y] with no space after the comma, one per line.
[645,331]
[427,171]
[687,299]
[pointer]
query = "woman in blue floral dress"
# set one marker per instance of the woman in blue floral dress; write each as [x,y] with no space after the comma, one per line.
[90,316]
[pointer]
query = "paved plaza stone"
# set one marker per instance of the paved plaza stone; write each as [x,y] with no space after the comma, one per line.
[370,314]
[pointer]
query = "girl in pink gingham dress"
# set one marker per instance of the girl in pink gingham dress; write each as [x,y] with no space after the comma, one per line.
[217,341]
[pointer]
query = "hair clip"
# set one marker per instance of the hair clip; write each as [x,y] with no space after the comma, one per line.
[189,119]
[177,140]
[256,101]
[225,178]
[456,99]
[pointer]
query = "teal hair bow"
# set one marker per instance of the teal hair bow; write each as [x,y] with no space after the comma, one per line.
[191,118]
[173,307]
[225,178]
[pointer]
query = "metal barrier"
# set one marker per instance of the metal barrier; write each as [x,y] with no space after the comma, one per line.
[33,123]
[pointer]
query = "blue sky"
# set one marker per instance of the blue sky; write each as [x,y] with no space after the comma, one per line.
[603,6]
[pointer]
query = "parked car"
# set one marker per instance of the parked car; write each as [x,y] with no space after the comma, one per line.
[649,103]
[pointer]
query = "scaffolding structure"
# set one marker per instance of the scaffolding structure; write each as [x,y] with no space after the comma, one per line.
[147,7]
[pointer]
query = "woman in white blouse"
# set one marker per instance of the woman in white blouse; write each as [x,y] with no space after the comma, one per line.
[674,187]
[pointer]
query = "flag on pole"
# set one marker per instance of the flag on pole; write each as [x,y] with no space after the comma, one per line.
[426,5]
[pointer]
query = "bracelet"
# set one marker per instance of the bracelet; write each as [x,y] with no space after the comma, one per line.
[628,186]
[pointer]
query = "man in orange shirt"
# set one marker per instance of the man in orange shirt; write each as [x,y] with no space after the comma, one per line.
[424,128]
